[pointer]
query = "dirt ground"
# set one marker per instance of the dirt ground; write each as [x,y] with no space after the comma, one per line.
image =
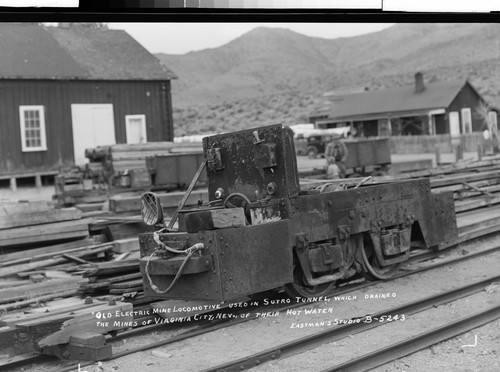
[476,350]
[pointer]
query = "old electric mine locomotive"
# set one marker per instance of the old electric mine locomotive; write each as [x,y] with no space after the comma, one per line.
[259,231]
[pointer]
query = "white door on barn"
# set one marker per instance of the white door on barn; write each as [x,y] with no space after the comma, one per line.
[93,125]
[136,128]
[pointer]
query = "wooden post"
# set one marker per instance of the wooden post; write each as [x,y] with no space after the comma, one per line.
[38,181]
[13,184]
[480,152]
[438,156]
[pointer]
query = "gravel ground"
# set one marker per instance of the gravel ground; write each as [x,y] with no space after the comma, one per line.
[240,340]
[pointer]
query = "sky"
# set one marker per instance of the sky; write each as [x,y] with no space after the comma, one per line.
[181,38]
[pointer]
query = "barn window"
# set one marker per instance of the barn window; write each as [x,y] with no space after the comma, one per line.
[33,128]
[466,120]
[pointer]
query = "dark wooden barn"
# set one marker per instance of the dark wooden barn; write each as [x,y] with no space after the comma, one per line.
[67,88]
[437,108]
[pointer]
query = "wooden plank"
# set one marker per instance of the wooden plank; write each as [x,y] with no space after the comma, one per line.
[38,289]
[121,278]
[120,204]
[12,283]
[31,301]
[89,251]
[127,284]
[478,233]
[120,291]
[460,187]
[476,216]
[126,245]
[486,189]
[474,203]
[41,252]
[45,238]
[117,317]
[484,223]
[90,207]
[39,217]
[111,268]
[53,309]
[468,177]
[63,304]
[46,232]
[153,146]
[7,209]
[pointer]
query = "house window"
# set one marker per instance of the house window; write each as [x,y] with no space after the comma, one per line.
[466,120]
[492,115]
[33,128]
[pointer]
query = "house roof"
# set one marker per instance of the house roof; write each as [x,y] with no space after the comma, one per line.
[36,52]
[395,100]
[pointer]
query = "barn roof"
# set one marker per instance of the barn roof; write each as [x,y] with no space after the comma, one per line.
[394,100]
[36,52]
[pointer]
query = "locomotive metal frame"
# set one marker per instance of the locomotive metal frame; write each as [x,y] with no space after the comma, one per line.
[260,231]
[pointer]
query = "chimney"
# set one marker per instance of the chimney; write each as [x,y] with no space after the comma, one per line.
[419,83]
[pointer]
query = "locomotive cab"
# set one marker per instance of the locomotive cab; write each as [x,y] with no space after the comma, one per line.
[259,231]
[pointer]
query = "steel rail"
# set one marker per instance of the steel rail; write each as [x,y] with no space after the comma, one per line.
[330,335]
[204,328]
[419,342]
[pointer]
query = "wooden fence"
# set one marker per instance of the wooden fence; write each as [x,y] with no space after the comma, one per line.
[444,142]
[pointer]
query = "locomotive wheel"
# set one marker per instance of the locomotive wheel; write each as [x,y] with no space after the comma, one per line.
[299,287]
[372,269]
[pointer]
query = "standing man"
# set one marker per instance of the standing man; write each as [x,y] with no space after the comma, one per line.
[336,155]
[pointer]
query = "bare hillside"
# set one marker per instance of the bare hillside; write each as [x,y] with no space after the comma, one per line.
[269,62]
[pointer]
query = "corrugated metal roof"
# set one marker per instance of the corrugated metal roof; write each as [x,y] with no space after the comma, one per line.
[395,100]
[75,52]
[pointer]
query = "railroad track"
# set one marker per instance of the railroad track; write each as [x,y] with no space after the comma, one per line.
[400,349]
[370,321]
[203,327]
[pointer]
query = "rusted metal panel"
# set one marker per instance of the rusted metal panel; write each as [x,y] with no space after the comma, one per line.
[211,219]
[438,223]
[362,153]
[204,285]
[177,169]
[255,258]
[250,161]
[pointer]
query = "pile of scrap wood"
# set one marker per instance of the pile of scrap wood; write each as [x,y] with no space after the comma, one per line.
[26,223]
[120,277]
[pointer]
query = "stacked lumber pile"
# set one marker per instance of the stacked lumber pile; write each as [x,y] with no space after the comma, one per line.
[127,167]
[46,282]
[125,164]
[120,277]
[24,223]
